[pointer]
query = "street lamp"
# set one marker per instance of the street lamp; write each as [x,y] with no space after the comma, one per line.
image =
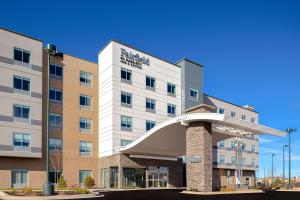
[283,164]
[48,188]
[289,131]
[273,154]
[264,177]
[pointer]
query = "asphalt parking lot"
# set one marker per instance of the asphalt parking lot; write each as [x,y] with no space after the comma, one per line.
[177,195]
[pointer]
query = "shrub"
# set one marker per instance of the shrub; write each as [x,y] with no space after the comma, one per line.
[27,191]
[89,182]
[61,183]
[13,191]
[82,191]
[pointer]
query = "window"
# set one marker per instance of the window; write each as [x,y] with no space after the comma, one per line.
[125,142]
[233,159]
[194,93]
[55,144]
[19,178]
[85,102]
[222,159]
[126,75]
[150,105]
[171,89]
[221,110]
[252,148]
[85,148]
[21,111]
[85,125]
[83,174]
[232,114]
[21,55]
[252,119]
[126,99]
[126,123]
[21,83]
[149,125]
[56,95]
[233,145]
[244,161]
[150,83]
[21,140]
[56,70]
[171,110]
[55,120]
[222,144]
[244,147]
[243,117]
[86,79]
[253,163]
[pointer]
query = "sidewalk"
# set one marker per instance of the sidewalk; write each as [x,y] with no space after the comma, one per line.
[5,196]
[217,193]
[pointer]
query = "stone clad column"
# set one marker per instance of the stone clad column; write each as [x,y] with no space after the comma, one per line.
[199,156]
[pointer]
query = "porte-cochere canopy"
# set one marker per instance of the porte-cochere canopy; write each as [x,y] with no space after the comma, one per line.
[168,139]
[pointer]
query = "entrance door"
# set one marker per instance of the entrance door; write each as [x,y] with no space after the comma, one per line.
[158,177]
[103,178]
[247,182]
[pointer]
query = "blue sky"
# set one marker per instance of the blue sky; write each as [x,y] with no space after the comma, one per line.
[250,49]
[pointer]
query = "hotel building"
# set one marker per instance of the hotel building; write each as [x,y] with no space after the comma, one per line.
[130,120]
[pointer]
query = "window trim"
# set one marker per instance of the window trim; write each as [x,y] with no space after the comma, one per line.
[56,90]
[123,104]
[85,107]
[21,148]
[173,94]
[56,139]
[21,119]
[85,154]
[19,185]
[84,130]
[85,84]
[171,114]
[22,50]
[123,128]
[126,80]
[149,87]
[21,91]
[152,102]
[194,98]
[56,66]
[149,121]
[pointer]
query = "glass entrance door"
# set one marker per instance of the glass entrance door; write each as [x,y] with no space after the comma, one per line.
[158,176]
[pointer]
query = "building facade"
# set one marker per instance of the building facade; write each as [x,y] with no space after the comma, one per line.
[129,121]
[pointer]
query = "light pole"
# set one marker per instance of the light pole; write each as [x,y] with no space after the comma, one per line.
[273,154]
[289,131]
[48,188]
[264,177]
[283,164]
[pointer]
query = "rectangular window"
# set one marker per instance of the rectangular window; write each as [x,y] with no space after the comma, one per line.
[232,114]
[82,175]
[56,70]
[126,99]
[125,142]
[150,83]
[233,159]
[222,144]
[252,119]
[171,110]
[253,163]
[221,110]
[55,144]
[244,147]
[126,75]
[86,79]
[253,148]
[85,149]
[126,123]
[233,145]
[21,111]
[171,89]
[85,102]
[19,178]
[244,161]
[85,125]
[55,120]
[56,95]
[149,125]
[21,55]
[243,117]
[194,94]
[21,83]
[150,105]
[21,140]
[222,159]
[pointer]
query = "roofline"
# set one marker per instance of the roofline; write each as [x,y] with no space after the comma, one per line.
[230,103]
[21,34]
[80,58]
[144,52]
[189,61]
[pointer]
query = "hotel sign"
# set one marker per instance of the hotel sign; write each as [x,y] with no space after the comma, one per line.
[134,60]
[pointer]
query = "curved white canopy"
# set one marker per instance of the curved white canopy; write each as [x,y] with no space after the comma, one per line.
[168,137]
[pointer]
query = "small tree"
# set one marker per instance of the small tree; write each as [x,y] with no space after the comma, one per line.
[277,183]
[89,182]
[61,183]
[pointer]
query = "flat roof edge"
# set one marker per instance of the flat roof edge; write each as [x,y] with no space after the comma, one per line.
[21,34]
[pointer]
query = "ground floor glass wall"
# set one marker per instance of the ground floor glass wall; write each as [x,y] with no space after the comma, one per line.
[158,176]
[134,178]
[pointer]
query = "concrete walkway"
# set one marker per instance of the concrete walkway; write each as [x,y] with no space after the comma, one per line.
[217,192]
[6,196]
